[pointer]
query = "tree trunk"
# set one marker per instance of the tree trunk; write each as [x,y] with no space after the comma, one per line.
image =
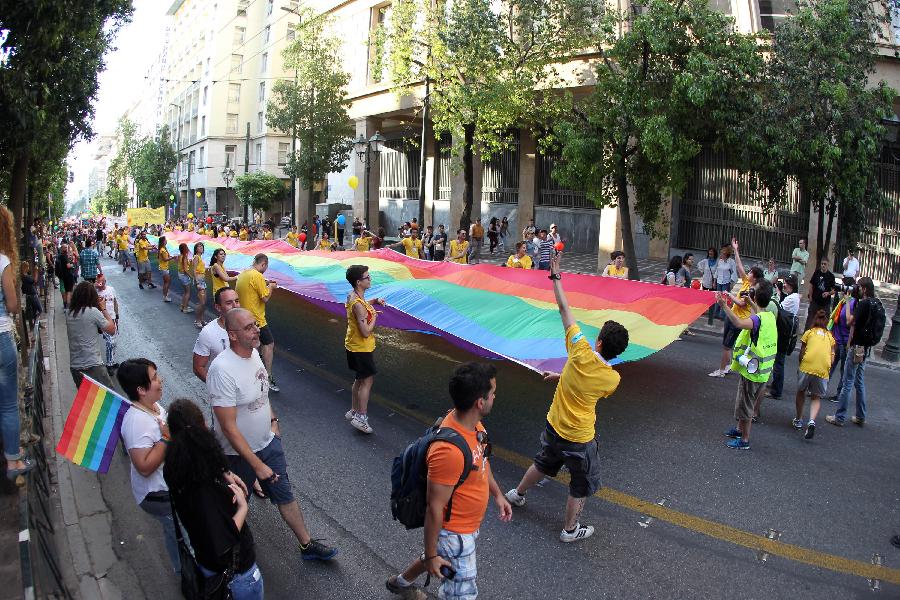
[465,219]
[832,206]
[18,181]
[625,221]
[820,205]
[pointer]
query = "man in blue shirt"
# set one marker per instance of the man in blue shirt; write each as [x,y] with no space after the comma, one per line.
[545,250]
[89,261]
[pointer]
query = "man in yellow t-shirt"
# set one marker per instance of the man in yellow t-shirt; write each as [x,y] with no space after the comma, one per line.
[476,234]
[570,438]
[459,249]
[519,260]
[363,242]
[142,255]
[412,245]
[292,238]
[244,235]
[253,294]
[740,307]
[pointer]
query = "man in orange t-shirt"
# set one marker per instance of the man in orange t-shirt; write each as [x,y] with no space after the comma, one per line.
[450,539]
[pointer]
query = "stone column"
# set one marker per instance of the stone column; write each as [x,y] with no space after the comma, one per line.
[431,179]
[528,181]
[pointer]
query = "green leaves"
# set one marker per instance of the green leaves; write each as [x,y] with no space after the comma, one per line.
[152,164]
[258,189]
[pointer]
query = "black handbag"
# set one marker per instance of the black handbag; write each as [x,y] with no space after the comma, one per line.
[194,584]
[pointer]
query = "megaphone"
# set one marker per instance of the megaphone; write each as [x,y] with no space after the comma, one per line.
[750,363]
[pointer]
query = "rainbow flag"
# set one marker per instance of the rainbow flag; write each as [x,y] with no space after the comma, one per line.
[488,310]
[91,431]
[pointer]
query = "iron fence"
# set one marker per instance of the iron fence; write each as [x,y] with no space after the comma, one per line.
[500,174]
[552,193]
[399,168]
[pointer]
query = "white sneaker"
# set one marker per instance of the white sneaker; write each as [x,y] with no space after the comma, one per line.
[361,423]
[515,498]
[167,298]
[727,371]
[350,414]
[717,373]
[582,532]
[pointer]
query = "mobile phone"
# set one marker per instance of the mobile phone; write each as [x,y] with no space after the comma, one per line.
[448,572]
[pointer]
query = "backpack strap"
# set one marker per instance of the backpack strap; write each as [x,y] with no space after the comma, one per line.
[451,436]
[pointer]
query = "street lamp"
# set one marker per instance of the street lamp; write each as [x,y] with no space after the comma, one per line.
[228,177]
[368,151]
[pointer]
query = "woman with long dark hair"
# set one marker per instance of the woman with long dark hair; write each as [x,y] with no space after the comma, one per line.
[198,267]
[85,320]
[220,276]
[210,502]
[63,268]
[185,276]
[493,234]
[164,258]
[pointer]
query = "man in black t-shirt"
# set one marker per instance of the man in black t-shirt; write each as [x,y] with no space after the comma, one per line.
[857,356]
[821,290]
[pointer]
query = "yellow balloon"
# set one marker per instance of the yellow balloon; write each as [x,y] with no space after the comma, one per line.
[198,194]
[353,182]
[190,215]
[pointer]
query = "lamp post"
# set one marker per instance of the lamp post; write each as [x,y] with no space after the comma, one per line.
[228,177]
[368,151]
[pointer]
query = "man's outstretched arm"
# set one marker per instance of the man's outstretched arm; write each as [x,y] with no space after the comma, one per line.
[561,301]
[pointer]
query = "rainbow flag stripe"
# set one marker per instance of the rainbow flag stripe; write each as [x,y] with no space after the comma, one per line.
[92,428]
[490,310]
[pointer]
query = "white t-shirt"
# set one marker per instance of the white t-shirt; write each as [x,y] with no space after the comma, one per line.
[791,303]
[242,383]
[6,324]
[141,430]
[108,295]
[851,267]
[213,340]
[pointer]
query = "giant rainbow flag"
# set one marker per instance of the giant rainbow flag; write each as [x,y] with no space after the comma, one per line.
[92,428]
[489,310]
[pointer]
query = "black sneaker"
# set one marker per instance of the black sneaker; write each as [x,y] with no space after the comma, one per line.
[810,430]
[317,551]
[141,285]
[409,592]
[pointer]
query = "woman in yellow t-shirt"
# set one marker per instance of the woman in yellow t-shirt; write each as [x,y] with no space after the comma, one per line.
[362,243]
[616,267]
[164,258]
[360,345]
[292,238]
[184,276]
[520,260]
[220,277]
[325,243]
[459,249]
[267,234]
[816,358]
[244,235]
[199,274]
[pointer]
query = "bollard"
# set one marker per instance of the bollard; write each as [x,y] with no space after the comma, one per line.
[891,352]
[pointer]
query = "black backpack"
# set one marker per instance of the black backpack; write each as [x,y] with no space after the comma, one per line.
[788,325]
[874,328]
[410,474]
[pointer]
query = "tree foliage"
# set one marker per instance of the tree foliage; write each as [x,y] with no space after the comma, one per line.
[821,111]
[640,125]
[314,105]
[153,162]
[258,189]
[490,65]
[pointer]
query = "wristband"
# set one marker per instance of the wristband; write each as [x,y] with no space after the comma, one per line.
[554,276]
[273,420]
[425,559]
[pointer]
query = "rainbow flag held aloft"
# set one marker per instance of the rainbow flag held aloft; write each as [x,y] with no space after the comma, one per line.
[91,431]
[491,311]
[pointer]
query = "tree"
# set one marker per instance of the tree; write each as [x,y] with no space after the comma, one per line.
[489,65]
[48,79]
[314,105]
[153,162]
[258,189]
[639,126]
[822,112]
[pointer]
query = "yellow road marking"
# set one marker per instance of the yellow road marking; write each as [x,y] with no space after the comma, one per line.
[699,525]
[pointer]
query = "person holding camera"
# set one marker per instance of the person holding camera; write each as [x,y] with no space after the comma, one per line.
[849,295]
[821,291]
[753,356]
[739,308]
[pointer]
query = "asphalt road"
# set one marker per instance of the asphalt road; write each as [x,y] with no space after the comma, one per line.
[660,435]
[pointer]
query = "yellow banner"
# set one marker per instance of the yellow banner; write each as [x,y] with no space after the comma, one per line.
[153,216]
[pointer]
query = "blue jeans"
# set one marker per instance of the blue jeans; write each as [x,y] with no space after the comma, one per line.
[840,356]
[721,287]
[9,396]
[162,512]
[244,586]
[853,377]
[777,385]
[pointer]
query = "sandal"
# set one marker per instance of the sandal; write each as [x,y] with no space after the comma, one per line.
[13,473]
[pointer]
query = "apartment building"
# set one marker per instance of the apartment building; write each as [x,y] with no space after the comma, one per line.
[222,59]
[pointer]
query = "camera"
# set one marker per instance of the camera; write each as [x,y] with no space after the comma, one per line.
[751,293]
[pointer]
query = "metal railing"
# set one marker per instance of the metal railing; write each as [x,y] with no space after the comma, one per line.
[553,193]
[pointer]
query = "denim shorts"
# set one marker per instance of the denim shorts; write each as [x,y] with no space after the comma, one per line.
[185,279]
[143,267]
[273,457]
[459,550]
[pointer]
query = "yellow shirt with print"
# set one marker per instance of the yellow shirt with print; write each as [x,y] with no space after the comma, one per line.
[412,247]
[457,247]
[742,312]
[142,250]
[362,244]
[515,262]
[251,288]
[324,244]
[267,235]
[817,352]
[292,239]
[584,380]
[614,271]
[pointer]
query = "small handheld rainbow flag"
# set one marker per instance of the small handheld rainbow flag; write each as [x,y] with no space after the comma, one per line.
[92,427]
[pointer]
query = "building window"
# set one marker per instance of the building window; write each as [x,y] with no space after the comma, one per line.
[237,61]
[262,92]
[207,65]
[264,62]
[268,31]
[259,156]
[379,17]
[240,34]
[283,149]
[202,126]
[230,155]
[259,121]
[205,94]
[291,33]
[773,12]
[193,161]
[200,156]
[234,93]
[231,123]
[270,6]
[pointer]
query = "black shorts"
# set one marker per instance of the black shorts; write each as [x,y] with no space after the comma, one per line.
[582,460]
[361,362]
[729,334]
[265,336]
